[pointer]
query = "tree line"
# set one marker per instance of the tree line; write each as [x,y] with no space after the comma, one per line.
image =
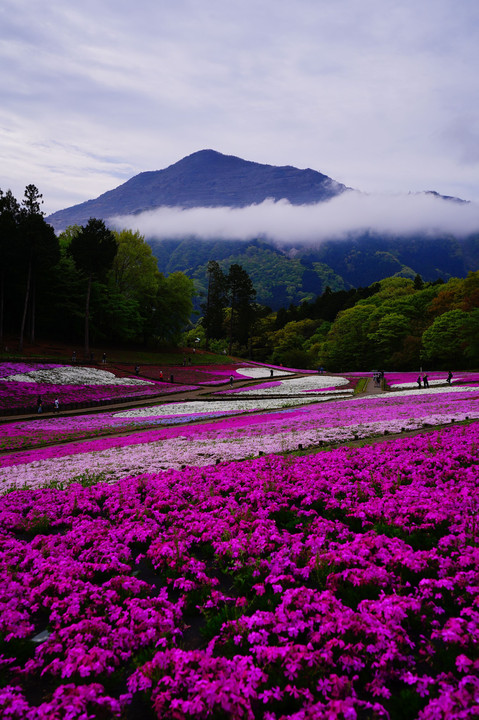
[104,286]
[89,282]
[397,323]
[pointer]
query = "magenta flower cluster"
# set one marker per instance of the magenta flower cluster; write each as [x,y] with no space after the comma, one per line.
[337,585]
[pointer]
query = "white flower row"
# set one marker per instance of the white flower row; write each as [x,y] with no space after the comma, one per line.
[415,390]
[292,386]
[74,376]
[195,407]
[260,372]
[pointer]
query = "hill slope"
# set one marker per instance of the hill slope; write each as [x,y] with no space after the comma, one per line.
[204,179]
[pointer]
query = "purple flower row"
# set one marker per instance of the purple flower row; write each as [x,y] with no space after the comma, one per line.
[277,588]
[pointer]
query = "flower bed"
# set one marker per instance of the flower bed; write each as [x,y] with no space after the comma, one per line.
[406,380]
[340,585]
[238,437]
[202,374]
[22,383]
[294,386]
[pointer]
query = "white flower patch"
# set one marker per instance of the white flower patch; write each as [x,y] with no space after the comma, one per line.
[260,372]
[74,376]
[215,406]
[409,391]
[293,386]
[406,385]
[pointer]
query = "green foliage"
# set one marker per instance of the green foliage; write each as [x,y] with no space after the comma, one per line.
[93,249]
[241,294]
[134,271]
[89,478]
[216,302]
[444,340]
[347,346]
[391,330]
[173,306]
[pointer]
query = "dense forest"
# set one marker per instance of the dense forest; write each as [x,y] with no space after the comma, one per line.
[88,285]
[91,284]
[397,323]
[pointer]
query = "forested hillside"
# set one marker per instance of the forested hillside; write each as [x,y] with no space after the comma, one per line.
[87,285]
[291,274]
[398,323]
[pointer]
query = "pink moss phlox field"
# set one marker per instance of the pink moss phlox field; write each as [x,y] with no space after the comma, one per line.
[337,585]
[25,434]
[435,377]
[10,368]
[194,374]
[18,394]
[235,437]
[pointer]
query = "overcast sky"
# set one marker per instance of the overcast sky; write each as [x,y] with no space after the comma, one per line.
[380,95]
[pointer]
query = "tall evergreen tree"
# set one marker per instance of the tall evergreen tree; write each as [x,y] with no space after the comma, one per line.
[40,245]
[241,296]
[216,302]
[9,217]
[93,250]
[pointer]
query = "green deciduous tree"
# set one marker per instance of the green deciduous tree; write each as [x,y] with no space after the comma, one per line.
[135,269]
[391,330]
[444,340]
[173,306]
[347,346]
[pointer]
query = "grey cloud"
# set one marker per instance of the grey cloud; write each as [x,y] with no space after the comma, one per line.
[350,213]
[368,93]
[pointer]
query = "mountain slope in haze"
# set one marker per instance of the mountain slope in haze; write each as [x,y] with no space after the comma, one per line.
[283,275]
[204,179]
[286,273]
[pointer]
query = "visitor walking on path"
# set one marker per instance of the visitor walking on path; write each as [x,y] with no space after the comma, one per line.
[425,381]
[39,404]
[56,405]
[419,381]
[449,377]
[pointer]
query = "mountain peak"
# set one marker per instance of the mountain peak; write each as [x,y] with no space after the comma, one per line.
[205,178]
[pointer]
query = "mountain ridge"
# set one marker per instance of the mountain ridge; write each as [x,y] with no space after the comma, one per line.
[206,178]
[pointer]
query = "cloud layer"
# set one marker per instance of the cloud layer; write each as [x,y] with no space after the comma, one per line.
[351,212]
[379,95]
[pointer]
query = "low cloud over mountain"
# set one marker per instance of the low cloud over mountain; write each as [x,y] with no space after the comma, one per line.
[211,195]
[347,214]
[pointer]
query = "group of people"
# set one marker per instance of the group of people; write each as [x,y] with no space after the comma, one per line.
[424,380]
[56,405]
